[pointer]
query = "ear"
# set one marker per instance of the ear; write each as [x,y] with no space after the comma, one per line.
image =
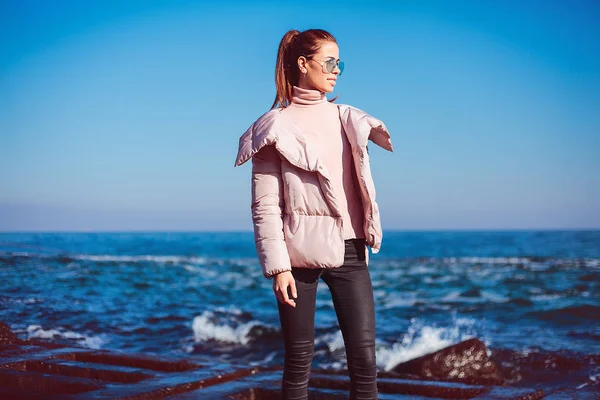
[302,61]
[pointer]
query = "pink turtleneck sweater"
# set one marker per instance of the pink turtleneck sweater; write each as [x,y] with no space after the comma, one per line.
[320,122]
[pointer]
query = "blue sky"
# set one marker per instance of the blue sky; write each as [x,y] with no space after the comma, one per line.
[125,115]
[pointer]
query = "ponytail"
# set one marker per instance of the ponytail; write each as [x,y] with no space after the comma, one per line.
[284,70]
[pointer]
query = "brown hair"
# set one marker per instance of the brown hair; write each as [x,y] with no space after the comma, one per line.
[293,45]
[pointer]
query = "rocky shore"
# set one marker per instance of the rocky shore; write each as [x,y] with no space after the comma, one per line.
[35,369]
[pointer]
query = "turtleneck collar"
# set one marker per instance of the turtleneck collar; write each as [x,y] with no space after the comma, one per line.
[307,97]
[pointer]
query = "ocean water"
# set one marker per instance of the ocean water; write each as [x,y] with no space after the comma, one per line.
[532,296]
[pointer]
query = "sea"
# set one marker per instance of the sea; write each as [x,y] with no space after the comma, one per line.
[533,297]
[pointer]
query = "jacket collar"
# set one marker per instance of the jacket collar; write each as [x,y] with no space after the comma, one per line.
[290,142]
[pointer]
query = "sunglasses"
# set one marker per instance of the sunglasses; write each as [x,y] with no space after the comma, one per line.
[329,64]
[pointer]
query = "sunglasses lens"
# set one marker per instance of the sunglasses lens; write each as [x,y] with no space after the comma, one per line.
[330,65]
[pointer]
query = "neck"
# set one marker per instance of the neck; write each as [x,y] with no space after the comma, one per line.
[307,97]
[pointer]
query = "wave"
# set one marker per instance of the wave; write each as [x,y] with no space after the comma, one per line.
[37,332]
[334,341]
[401,300]
[532,262]
[421,339]
[421,265]
[28,300]
[227,325]
[188,261]
[473,296]
[220,328]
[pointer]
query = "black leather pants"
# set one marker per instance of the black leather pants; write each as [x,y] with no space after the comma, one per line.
[352,294]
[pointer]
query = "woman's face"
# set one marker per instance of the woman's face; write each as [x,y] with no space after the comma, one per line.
[316,77]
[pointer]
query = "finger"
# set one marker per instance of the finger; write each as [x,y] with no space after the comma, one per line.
[277,295]
[279,298]
[294,290]
[286,298]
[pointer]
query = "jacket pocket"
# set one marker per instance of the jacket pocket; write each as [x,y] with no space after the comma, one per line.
[316,243]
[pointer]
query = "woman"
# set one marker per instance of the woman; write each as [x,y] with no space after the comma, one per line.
[314,209]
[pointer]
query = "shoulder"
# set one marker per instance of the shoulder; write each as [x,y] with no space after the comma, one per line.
[356,116]
[261,132]
[371,128]
[266,121]
[347,109]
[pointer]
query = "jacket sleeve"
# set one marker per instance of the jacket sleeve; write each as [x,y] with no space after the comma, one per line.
[267,208]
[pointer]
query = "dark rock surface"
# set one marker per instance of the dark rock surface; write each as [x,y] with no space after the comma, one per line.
[465,362]
[34,369]
[6,335]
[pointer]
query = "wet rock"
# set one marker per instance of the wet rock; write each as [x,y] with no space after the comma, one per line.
[38,370]
[6,335]
[465,362]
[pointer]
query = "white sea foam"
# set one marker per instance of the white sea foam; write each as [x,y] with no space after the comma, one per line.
[205,329]
[421,270]
[594,377]
[593,262]
[189,263]
[441,279]
[379,294]
[493,297]
[17,253]
[194,269]
[335,366]
[137,258]
[402,299]
[546,297]
[394,266]
[427,342]
[334,341]
[230,309]
[421,340]
[234,280]
[456,296]
[30,300]
[265,360]
[538,266]
[486,260]
[92,342]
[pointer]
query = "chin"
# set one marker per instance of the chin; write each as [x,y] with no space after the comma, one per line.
[327,88]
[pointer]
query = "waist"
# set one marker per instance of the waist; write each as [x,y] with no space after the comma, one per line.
[355,242]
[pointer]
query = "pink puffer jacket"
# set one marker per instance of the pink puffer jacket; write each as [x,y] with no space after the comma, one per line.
[295,225]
